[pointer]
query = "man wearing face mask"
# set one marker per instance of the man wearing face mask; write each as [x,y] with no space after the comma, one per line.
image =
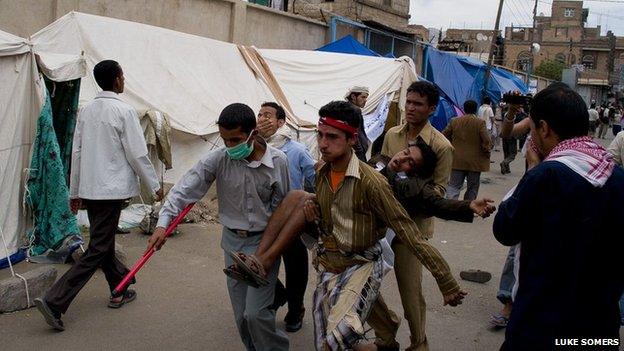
[252,179]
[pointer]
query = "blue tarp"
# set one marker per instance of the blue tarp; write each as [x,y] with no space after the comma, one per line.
[462,78]
[348,45]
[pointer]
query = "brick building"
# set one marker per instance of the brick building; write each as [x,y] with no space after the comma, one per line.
[382,25]
[472,42]
[564,37]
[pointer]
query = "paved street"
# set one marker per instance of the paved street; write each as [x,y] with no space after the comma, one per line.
[183,303]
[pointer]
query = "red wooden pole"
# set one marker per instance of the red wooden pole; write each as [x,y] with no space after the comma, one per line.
[146,256]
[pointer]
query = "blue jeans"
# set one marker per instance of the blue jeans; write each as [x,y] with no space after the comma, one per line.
[622,310]
[508,279]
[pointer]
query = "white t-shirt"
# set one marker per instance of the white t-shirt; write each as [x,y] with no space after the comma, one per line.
[593,115]
[485,113]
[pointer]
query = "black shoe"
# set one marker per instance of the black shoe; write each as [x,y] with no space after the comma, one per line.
[280,296]
[294,320]
[388,348]
[51,317]
[475,275]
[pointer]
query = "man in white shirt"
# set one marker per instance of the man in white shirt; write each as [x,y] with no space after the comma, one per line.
[593,119]
[616,148]
[108,154]
[486,113]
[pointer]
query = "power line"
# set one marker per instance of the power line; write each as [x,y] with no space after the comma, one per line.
[514,12]
[522,13]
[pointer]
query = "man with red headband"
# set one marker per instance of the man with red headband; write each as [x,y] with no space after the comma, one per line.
[349,260]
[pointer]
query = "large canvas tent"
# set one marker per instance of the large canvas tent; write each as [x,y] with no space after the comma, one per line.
[28,171]
[21,99]
[191,78]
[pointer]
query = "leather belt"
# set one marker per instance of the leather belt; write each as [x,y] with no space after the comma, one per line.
[244,233]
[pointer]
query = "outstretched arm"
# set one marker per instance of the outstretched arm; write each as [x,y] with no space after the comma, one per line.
[387,208]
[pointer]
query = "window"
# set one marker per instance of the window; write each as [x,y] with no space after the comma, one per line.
[568,13]
[589,62]
[387,3]
[523,61]
[560,57]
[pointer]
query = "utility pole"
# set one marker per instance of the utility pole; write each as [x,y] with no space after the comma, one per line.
[533,37]
[492,48]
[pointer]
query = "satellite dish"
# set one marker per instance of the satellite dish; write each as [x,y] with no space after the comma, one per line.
[480,37]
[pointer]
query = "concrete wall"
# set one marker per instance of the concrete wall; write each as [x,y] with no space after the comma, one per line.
[226,20]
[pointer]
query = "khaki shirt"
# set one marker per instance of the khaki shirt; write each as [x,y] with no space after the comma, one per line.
[396,140]
[471,142]
[358,214]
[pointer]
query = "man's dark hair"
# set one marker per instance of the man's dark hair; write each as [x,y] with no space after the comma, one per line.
[427,89]
[563,109]
[342,111]
[353,95]
[237,115]
[105,73]
[470,107]
[279,110]
[487,100]
[430,159]
[593,105]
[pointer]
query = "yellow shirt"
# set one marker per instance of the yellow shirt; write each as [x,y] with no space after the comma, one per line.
[396,140]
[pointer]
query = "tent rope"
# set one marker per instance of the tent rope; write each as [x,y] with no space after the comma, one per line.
[8,256]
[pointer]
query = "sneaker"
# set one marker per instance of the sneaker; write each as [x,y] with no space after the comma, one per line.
[294,320]
[475,275]
[52,317]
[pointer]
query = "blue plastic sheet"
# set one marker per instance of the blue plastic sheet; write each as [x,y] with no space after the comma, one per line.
[462,78]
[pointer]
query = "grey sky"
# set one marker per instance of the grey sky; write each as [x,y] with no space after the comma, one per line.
[481,14]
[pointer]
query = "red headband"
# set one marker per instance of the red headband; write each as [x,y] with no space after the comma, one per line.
[342,125]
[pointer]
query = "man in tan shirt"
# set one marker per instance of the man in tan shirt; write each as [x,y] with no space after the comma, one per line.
[472,145]
[422,100]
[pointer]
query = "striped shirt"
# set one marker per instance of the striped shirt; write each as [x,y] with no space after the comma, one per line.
[358,213]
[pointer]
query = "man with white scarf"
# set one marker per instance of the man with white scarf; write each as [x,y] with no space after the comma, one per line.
[358,95]
[565,214]
[272,127]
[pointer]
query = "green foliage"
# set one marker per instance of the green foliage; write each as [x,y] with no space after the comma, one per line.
[550,69]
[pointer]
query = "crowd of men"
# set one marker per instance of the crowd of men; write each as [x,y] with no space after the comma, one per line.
[361,215]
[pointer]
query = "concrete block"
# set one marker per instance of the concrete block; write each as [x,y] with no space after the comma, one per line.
[13,293]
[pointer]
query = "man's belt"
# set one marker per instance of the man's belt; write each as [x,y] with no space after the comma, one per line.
[244,233]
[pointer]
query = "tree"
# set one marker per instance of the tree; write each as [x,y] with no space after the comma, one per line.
[550,69]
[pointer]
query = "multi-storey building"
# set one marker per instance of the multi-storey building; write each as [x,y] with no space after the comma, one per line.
[564,37]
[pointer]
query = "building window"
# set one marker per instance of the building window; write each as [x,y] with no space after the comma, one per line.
[523,61]
[568,13]
[560,58]
[589,62]
[387,3]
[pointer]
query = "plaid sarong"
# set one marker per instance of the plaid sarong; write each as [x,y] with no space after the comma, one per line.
[342,301]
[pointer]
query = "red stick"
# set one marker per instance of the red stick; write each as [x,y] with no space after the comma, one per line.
[146,256]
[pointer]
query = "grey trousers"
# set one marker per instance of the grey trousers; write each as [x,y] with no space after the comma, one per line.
[254,320]
[457,181]
[508,279]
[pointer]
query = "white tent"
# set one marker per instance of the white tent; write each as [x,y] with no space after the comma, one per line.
[192,78]
[21,100]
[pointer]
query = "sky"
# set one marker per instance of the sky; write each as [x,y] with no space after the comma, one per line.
[481,14]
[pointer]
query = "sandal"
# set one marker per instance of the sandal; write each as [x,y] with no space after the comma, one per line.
[250,265]
[235,274]
[128,296]
[499,321]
